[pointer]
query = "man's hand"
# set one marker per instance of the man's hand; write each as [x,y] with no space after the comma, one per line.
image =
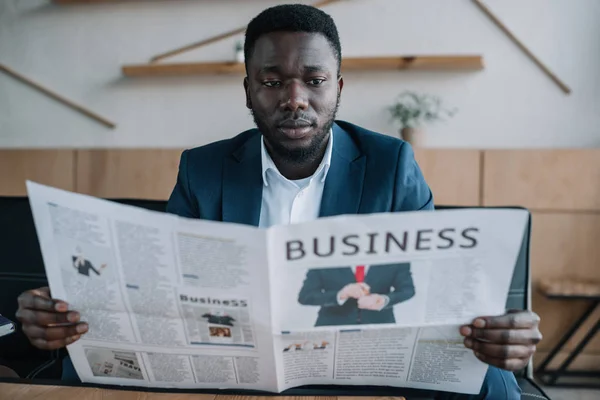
[507,341]
[353,290]
[371,302]
[44,320]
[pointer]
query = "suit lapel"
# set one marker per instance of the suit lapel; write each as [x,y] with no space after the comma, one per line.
[369,276]
[243,184]
[344,275]
[344,183]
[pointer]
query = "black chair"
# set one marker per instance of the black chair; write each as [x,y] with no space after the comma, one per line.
[22,269]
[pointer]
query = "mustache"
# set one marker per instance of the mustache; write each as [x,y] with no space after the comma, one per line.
[291,117]
[301,118]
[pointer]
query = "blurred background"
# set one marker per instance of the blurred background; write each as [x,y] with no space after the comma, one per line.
[78,50]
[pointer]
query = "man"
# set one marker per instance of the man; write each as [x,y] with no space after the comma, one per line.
[84,266]
[219,318]
[299,165]
[360,295]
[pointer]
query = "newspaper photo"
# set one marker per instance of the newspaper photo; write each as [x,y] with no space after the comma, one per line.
[376,299]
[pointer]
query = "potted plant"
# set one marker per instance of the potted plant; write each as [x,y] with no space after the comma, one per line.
[239,52]
[411,110]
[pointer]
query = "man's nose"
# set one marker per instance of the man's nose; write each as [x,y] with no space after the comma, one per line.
[294,98]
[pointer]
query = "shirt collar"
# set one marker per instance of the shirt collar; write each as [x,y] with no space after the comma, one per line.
[267,161]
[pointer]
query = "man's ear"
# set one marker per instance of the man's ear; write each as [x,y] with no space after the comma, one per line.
[247,90]
[340,85]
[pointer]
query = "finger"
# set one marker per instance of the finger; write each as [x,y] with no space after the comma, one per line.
[499,350]
[43,291]
[44,318]
[39,299]
[509,364]
[56,333]
[466,330]
[371,303]
[512,320]
[54,344]
[507,336]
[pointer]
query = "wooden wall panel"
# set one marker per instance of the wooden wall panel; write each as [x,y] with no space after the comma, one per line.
[582,362]
[543,179]
[128,173]
[50,167]
[563,245]
[453,174]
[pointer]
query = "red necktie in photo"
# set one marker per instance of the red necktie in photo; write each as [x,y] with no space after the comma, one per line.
[359,274]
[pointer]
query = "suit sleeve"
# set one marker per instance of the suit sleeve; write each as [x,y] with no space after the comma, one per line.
[412,193]
[403,285]
[313,294]
[89,264]
[181,202]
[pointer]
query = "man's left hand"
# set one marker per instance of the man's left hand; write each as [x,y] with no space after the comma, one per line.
[507,341]
[373,302]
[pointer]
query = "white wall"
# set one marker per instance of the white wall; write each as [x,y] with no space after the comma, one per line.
[78,51]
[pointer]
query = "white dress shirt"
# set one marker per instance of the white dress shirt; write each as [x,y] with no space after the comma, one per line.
[287,201]
[366,270]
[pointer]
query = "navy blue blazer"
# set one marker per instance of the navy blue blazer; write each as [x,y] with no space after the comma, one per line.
[369,173]
[321,286]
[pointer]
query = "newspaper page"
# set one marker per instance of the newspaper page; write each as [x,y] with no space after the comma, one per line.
[170,302]
[379,299]
[350,300]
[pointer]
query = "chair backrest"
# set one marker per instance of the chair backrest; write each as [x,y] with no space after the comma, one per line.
[22,267]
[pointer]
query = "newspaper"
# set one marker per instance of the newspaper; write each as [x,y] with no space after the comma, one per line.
[349,300]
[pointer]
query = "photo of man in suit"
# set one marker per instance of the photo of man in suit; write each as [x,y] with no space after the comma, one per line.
[219,318]
[83,265]
[357,295]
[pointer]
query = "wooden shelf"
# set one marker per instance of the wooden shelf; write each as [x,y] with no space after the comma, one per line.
[436,63]
[67,2]
[432,63]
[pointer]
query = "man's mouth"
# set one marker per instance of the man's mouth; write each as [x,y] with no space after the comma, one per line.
[295,123]
[295,128]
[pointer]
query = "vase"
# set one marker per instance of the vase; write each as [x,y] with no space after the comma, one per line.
[411,135]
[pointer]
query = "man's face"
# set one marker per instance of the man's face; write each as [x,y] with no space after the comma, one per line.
[293,91]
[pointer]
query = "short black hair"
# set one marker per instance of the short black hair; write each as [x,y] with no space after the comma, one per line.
[292,18]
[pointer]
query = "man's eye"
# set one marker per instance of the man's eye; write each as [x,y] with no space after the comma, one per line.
[272,83]
[316,81]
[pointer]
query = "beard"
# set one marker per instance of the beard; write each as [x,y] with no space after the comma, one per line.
[301,155]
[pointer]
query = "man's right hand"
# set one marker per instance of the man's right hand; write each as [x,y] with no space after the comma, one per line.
[353,290]
[39,314]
